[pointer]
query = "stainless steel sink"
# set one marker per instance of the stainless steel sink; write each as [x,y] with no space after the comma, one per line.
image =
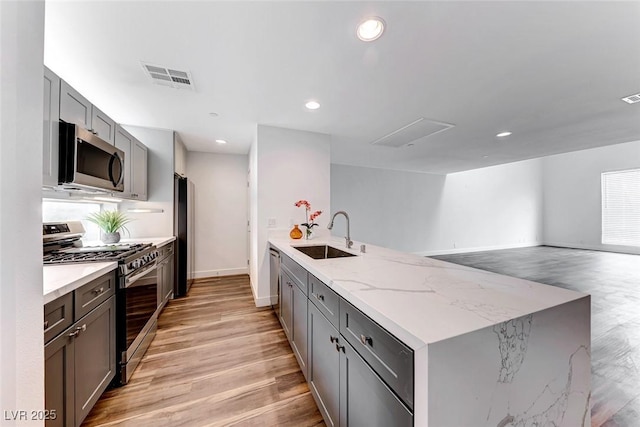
[323,252]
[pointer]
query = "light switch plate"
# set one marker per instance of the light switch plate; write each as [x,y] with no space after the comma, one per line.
[272,223]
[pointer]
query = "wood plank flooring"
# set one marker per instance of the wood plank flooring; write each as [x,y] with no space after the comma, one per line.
[216,360]
[613,280]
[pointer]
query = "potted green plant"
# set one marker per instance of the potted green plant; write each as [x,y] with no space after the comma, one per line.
[110,222]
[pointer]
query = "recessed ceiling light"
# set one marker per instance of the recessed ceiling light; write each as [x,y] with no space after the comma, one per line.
[370,29]
[312,105]
[221,141]
[503,134]
[485,157]
[632,99]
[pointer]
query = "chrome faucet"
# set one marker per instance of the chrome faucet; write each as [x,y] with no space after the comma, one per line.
[348,236]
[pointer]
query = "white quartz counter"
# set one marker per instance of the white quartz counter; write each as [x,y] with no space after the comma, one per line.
[421,300]
[158,241]
[62,279]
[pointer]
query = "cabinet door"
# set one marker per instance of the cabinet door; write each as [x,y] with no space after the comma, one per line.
[365,400]
[103,125]
[286,303]
[74,108]
[95,352]
[160,271]
[139,170]
[299,327]
[59,380]
[50,147]
[124,141]
[168,279]
[324,365]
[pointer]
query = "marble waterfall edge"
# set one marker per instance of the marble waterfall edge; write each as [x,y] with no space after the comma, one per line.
[530,371]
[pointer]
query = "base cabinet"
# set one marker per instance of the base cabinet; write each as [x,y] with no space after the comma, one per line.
[365,400]
[324,366]
[165,274]
[293,317]
[358,373]
[80,361]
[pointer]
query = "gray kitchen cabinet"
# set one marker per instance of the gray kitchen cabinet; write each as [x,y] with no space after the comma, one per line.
[358,373]
[59,380]
[135,165]
[365,400]
[94,361]
[324,365]
[293,316]
[165,274]
[50,144]
[139,170]
[80,361]
[75,108]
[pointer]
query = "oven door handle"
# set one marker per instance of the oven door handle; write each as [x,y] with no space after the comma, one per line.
[130,280]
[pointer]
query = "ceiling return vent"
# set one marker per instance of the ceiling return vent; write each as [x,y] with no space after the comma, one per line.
[409,134]
[168,77]
[632,99]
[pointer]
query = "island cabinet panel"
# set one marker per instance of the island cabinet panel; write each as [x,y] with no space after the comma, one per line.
[293,317]
[324,365]
[327,301]
[365,400]
[389,357]
[296,272]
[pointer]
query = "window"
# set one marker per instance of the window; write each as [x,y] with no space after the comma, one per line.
[621,208]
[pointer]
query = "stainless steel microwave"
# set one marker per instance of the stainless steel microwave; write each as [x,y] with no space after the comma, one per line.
[88,162]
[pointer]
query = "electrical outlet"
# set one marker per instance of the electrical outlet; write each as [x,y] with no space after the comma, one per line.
[272,223]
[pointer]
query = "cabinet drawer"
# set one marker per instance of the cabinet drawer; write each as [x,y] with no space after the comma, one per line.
[58,316]
[91,295]
[298,273]
[327,301]
[390,358]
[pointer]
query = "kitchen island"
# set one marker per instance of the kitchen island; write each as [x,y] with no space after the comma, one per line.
[488,349]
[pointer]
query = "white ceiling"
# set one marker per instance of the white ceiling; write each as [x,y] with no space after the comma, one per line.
[552,73]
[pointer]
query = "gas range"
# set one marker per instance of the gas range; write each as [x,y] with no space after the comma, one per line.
[62,245]
[137,295]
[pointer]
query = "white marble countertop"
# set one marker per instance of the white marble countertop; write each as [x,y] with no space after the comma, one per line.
[421,300]
[158,241]
[59,280]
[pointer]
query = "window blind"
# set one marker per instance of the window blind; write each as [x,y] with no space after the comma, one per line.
[621,208]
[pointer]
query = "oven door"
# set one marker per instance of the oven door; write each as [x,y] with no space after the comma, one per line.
[140,305]
[87,161]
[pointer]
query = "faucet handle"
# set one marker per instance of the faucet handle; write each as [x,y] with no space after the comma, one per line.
[348,242]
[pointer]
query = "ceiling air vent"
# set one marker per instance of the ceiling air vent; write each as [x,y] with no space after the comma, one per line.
[169,77]
[408,134]
[632,99]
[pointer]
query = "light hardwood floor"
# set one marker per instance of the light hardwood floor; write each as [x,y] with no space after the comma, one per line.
[613,280]
[216,360]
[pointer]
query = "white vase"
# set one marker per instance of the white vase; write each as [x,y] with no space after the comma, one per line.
[108,238]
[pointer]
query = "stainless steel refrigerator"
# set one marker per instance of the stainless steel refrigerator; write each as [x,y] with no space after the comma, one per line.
[183,222]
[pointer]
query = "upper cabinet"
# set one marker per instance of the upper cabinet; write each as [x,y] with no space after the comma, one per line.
[75,108]
[135,165]
[50,128]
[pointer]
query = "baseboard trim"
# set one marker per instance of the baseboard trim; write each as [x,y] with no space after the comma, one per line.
[477,249]
[221,272]
[602,248]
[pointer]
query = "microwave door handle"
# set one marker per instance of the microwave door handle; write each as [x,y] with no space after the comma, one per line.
[115,157]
